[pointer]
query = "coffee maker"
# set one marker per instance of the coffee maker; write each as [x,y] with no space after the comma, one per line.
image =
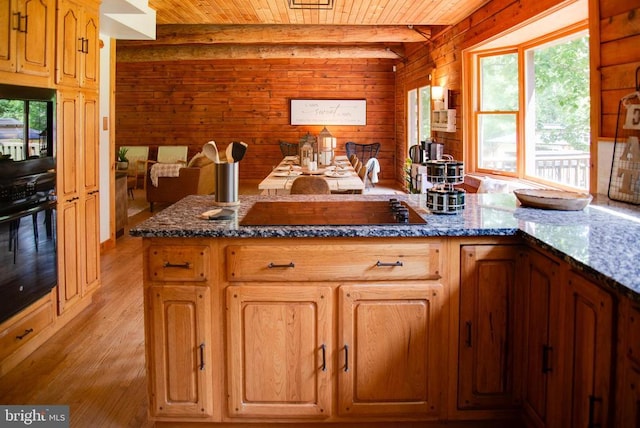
[419,153]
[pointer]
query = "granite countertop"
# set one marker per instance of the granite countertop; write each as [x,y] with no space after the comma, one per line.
[601,240]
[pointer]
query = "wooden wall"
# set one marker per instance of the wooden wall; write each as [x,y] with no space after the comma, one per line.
[619,36]
[615,34]
[192,102]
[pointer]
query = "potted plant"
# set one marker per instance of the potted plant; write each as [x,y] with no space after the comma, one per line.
[123,162]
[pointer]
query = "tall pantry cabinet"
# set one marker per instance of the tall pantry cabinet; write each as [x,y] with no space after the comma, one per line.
[77,134]
[55,44]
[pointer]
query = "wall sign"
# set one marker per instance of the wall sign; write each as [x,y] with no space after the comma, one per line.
[328,112]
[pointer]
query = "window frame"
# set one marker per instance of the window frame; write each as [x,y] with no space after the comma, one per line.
[471,64]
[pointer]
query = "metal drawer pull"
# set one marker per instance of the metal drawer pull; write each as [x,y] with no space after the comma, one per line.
[202,356]
[324,357]
[592,403]
[346,358]
[23,335]
[468,323]
[398,263]
[273,265]
[185,265]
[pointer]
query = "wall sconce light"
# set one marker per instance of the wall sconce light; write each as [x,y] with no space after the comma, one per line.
[437,95]
[327,145]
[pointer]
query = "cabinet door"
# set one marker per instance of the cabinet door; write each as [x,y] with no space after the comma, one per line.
[91,242]
[69,147]
[390,349]
[8,24]
[180,351]
[70,44]
[488,326]
[541,341]
[628,411]
[35,37]
[279,351]
[68,236]
[90,142]
[589,332]
[90,57]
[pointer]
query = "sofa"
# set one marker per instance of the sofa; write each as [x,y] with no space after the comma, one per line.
[196,178]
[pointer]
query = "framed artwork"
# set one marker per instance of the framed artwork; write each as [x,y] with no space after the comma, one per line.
[328,112]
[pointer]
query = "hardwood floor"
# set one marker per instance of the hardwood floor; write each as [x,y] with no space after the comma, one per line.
[96,363]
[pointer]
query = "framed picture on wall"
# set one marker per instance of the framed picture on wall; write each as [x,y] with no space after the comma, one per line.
[328,112]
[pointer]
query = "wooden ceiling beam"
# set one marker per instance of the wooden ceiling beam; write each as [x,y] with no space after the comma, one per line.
[286,34]
[128,53]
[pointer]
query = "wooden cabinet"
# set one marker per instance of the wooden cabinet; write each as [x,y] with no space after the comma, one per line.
[389,349]
[489,325]
[179,351]
[279,354]
[627,409]
[27,43]
[541,340]
[568,347]
[589,337]
[78,45]
[282,359]
[69,255]
[78,195]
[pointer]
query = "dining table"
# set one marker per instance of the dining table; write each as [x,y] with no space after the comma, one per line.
[340,175]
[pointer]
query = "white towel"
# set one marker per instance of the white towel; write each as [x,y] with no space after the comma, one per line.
[373,169]
[164,170]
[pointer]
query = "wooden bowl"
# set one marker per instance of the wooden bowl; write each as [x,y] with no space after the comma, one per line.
[551,199]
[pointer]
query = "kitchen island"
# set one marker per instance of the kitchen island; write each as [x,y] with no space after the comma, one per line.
[461,318]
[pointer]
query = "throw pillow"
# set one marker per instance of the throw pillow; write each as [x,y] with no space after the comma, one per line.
[198,161]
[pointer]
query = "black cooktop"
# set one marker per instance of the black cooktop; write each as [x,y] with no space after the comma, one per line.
[329,213]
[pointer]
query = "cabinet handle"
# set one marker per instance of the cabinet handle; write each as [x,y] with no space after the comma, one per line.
[202,356]
[592,404]
[346,358]
[545,359]
[81,46]
[185,265]
[274,265]
[23,335]
[468,341]
[324,357]
[379,264]
[85,45]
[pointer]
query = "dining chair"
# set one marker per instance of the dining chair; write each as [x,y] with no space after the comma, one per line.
[353,159]
[310,185]
[288,149]
[363,151]
[357,166]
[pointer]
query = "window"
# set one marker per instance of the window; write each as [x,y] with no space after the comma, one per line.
[26,123]
[418,115]
[531,109]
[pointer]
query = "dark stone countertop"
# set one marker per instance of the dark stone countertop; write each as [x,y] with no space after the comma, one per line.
[603,239]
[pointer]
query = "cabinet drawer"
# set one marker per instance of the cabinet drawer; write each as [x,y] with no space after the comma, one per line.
[15,334]
[333,262]
[179,263]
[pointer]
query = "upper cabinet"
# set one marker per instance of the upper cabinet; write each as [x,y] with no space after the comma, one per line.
[27,42]
[78,44]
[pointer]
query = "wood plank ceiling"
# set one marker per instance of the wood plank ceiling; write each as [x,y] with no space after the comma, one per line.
[188,29]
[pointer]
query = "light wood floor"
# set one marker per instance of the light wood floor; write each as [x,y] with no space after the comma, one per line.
[96,363]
